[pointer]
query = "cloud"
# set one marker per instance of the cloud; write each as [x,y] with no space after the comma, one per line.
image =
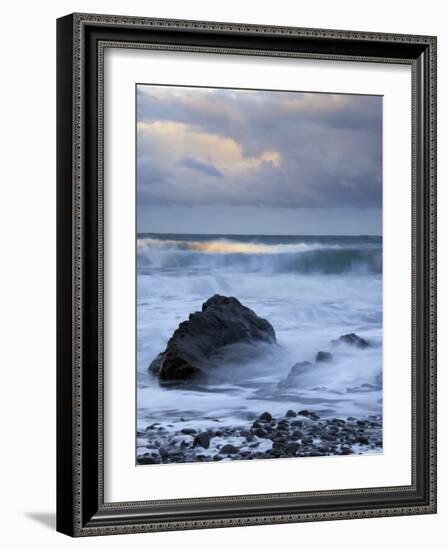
[199,146]
[178,140]
[204,167]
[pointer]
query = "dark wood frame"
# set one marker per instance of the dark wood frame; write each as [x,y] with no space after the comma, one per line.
[81,39]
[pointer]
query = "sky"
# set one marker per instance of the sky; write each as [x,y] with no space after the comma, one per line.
[214,160]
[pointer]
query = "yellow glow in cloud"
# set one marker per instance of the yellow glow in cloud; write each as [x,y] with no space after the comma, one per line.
[181,140]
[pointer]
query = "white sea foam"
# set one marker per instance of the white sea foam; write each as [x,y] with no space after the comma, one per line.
[307,310]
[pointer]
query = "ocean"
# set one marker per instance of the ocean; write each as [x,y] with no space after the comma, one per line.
[312,289]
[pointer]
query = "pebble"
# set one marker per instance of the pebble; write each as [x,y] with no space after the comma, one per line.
[228,450]
[202,440]
[265,417]
[188,431]
[316,437]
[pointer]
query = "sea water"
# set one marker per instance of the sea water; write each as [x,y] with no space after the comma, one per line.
[312,289]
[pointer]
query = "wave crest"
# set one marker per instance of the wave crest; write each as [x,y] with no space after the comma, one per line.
[238,256]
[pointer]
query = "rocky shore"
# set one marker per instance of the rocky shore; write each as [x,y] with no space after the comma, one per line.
[296,434]
[201,350]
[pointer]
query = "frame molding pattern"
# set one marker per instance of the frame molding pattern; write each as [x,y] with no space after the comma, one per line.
[116,524]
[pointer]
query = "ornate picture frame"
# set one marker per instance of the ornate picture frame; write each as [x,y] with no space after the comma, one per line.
[81,506]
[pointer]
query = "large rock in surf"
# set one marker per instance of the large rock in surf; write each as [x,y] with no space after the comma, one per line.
[194,345]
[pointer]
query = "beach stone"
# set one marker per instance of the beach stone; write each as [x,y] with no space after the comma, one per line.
[265,417]
[297,434]
[292,448]
[324,357]
[352,339]
[188,431]
[277,453]
[291,413]
[202,440]
[309,414]
[228,450]
[346,451]
[298,423]
[283,425]
[223,321]
[260,432]
[148,460]
[337,421]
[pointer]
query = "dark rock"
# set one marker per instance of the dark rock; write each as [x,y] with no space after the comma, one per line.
[309,414]
[188,431]
[202,440]
[346,451]
[153,426]
[280,439]
[323,357]
[291,413]
[148,460]
[222,322]
[297,423]
[260,432]
[352,339]
[265,417]
[228,450]
[292,448]
[363,440]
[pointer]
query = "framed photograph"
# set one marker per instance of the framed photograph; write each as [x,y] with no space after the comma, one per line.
[246,274]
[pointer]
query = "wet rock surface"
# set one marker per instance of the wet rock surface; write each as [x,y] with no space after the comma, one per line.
[223,322]
[300,368]
[324,357]
[351,339]
[304,435]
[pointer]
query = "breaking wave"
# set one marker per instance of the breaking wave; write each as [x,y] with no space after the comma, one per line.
[257,256]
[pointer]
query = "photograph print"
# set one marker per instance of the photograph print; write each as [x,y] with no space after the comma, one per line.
[258,274]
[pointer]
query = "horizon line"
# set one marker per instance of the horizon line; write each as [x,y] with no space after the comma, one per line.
[261,234]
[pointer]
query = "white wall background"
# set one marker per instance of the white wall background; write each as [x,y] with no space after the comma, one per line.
[27,274]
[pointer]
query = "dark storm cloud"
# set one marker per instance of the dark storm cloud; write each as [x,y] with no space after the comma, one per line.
[248,148]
